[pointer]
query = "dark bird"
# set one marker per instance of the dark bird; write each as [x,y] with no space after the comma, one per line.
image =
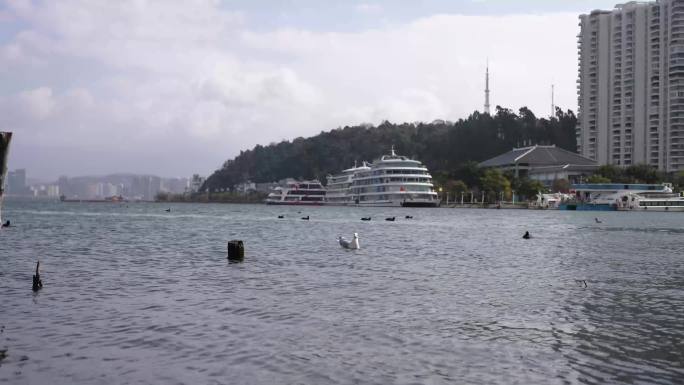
[6,224]
[168,210]
[598,220]
[409,217]
[281,216]
[37,283]
[391,219]
[527,235]
[306,218]
[366,219]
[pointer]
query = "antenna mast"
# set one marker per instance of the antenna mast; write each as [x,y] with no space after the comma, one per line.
[553,101]
[486,105]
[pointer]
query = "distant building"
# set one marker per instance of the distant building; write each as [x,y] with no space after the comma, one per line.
[175,185]
[245,188]
[64,186]
[543,163]
[631,85]
[196,183]
[266,187]
[16,183]
[53,191]
[44,191]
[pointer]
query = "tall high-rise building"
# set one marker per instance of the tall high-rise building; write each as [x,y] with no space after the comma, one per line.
[631,85]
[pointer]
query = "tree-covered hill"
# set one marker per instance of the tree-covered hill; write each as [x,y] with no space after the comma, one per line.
[442,146]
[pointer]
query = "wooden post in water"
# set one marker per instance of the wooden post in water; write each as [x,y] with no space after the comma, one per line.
[236,251]
[5,139]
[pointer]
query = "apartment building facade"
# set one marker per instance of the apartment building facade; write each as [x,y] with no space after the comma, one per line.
[631,85]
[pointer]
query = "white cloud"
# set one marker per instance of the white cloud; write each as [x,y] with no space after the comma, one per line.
[37,103]
[148,75]
[368,8]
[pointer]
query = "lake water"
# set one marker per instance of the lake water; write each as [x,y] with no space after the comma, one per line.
[136,295]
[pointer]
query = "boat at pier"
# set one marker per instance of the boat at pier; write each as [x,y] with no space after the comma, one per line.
[309,193]
[338,188]
[394,180]
[624,197]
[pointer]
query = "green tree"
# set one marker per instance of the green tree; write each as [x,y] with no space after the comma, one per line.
[643,173]
[529,188]
[610,173]
[678,181]
[493,183]
[561,185]
[450,150]
[456,188]
[596,178]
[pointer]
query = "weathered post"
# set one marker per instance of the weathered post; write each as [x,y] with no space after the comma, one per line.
[5,138]
[236,251]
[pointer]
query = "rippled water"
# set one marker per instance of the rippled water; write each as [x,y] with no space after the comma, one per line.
[135,295]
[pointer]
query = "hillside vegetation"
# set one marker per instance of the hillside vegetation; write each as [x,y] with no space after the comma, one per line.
[444,147]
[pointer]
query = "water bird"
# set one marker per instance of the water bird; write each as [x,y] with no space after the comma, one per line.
[391,219]
[352,245]
[409,217]
[281,216]
[306,218]
[581,282]
[598,220]
[6,224]
[366,219]
[37,283]
[168,210]
[527,235]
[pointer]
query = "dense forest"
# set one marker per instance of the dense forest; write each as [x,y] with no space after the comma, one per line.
[447,148]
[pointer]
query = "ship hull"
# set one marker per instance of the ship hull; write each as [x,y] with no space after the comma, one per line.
[295,203]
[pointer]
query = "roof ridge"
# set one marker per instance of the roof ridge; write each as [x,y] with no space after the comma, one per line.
[526,153]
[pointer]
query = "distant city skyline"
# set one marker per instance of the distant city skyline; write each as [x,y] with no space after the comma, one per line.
[129,186]
[177,88]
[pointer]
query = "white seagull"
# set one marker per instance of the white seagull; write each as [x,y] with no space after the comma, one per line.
[353,244]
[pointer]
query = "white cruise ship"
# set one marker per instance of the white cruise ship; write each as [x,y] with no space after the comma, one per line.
[338,189]
[394,180]
[308,192]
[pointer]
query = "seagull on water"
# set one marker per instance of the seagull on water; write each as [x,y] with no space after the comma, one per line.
[353,244]
[598,220]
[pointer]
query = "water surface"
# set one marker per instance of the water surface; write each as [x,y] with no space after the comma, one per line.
[137,295]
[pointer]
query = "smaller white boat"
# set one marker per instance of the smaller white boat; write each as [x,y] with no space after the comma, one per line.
[665,200]
[304,193]
[625,197]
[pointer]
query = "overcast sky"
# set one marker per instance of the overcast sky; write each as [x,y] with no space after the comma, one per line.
[177,87]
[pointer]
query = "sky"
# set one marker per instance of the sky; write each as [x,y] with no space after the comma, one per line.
[173,88]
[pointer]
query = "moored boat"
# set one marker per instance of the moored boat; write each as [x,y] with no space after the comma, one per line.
[309,193]
[394,180]
[338,188]
[624,197]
